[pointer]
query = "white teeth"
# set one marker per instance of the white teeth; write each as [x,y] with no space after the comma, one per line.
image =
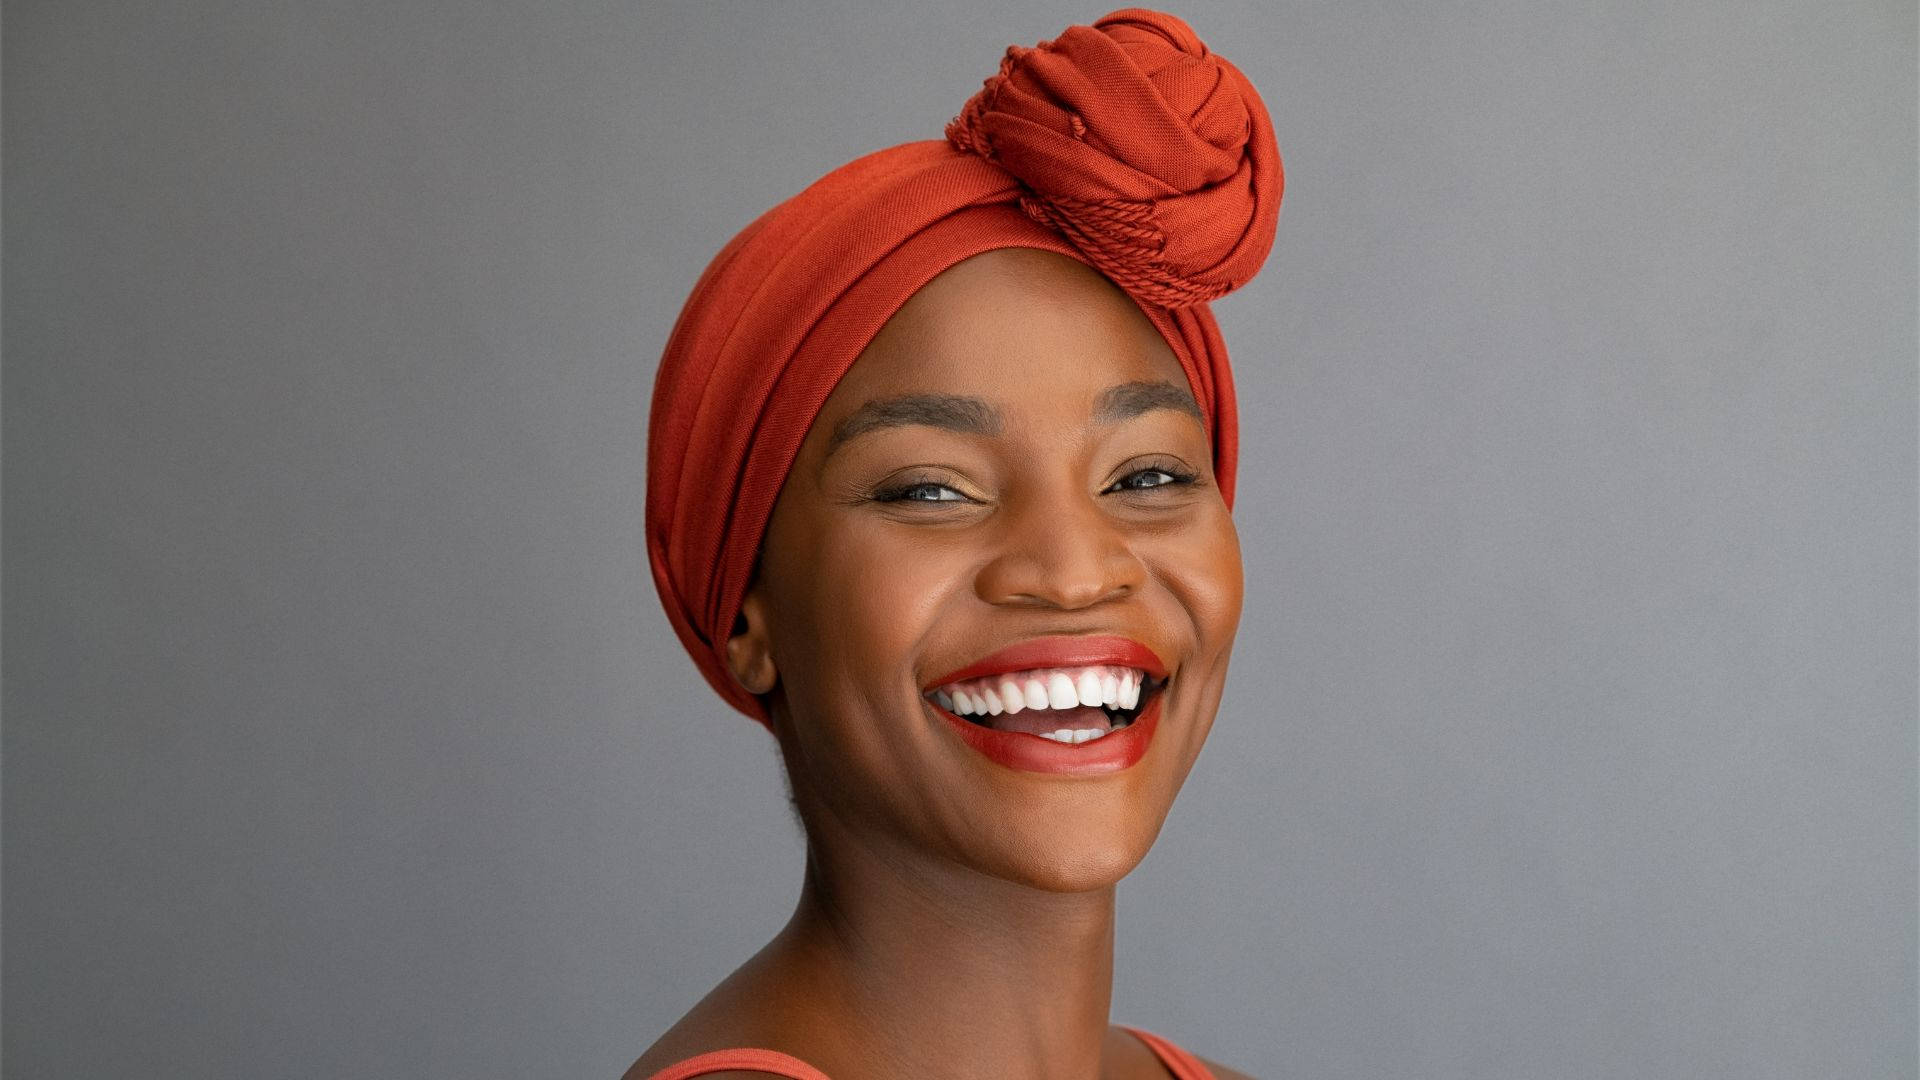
[1045,688]
[1035,689]
[1087,687]
[1072,735]
[1010,695]
[1060,692]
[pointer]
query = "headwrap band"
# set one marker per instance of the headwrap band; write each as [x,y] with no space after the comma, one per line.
[1126,145]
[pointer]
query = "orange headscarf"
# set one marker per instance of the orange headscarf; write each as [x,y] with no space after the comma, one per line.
[1127,145]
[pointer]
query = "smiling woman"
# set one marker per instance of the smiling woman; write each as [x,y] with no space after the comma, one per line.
[978,573]
[1062,487]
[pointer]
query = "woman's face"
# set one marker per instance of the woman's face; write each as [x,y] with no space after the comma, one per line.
[996,467]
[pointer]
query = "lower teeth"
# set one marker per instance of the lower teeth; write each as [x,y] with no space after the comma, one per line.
[1072,736]
[1114,723]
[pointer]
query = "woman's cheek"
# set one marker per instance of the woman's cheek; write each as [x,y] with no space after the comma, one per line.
[892,581]
[1229,573]
[1207,578]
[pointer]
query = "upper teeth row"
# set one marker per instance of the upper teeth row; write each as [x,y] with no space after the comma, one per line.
[1045,688]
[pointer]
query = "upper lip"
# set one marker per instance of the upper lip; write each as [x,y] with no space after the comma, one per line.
[1061,651]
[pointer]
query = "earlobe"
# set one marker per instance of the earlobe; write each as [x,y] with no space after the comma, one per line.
[750,649]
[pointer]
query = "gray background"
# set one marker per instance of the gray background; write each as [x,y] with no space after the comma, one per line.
[1572,726]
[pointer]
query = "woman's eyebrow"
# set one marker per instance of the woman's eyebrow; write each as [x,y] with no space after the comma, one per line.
[976,416]
[1128,400]
[967,415]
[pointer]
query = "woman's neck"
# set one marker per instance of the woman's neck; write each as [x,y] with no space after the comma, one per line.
[905,966]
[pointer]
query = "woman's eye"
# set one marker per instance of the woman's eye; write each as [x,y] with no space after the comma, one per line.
[921,492]
[928,491]
[1154,478]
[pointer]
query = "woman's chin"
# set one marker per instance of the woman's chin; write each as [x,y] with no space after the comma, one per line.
[1056,858]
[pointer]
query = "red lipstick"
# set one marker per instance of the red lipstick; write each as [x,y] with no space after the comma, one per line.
[1019,750]
[1118,749]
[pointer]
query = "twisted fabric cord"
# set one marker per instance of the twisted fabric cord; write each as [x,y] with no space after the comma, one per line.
[1122,239]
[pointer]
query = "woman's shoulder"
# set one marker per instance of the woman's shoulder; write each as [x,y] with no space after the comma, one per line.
[643,1070]
[696,1036]
[739,1058]
[639,1073]
[1131,1059]
[729,1074]
[734,1064]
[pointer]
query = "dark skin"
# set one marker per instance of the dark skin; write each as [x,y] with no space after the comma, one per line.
[957,916]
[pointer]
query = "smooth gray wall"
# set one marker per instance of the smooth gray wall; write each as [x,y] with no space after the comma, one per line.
[1572,726]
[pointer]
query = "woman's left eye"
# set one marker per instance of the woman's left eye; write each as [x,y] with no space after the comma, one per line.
[928,491]
[1168,477]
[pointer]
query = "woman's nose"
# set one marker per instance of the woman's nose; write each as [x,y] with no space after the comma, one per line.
[1059,551]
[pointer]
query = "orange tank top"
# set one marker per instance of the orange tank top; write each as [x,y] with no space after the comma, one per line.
[1183,1065]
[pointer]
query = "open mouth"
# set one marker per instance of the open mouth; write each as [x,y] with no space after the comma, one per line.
[1064,704]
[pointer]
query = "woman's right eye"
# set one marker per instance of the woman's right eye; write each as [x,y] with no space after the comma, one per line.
[918,493]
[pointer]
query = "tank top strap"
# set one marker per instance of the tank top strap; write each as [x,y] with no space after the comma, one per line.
[767,1061]
[1182,1065]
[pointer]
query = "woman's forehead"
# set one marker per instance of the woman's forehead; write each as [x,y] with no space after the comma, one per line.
[1008,323]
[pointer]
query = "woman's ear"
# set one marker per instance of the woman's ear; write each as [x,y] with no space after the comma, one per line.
[750,648]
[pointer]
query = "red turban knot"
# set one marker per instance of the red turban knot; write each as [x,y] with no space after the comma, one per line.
[1151,153]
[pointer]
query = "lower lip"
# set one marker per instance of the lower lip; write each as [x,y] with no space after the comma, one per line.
[1033,753]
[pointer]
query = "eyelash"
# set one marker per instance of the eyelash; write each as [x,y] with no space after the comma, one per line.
[898,493]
